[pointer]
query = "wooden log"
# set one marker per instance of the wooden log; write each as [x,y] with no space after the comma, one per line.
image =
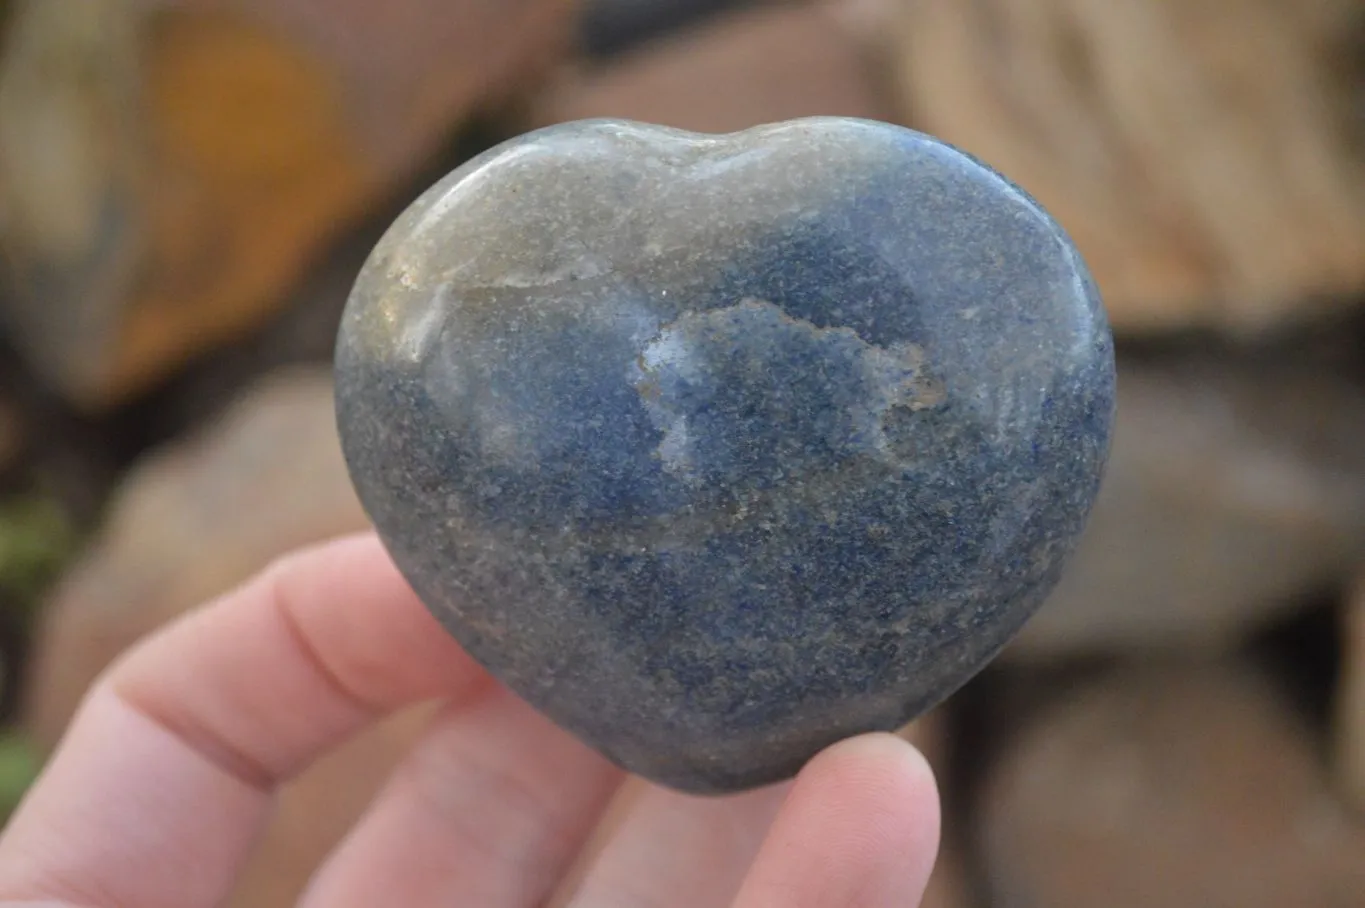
[168,169]
[1201,153]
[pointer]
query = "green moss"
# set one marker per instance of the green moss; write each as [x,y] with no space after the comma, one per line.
[36,539]
[19,766]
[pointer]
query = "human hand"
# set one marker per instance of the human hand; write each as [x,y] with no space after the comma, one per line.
[167,774]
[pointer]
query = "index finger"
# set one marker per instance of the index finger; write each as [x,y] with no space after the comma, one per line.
[177,750]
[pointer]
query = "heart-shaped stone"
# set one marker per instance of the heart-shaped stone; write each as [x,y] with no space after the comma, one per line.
[717,449]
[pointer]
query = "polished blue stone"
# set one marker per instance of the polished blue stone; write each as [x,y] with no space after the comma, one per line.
[718,449]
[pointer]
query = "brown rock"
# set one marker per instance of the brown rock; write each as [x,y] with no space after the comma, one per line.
[1189,786]
[1198,152]
[189,523]
[734,71]
[1235,491]
[1350,703]
[168,169]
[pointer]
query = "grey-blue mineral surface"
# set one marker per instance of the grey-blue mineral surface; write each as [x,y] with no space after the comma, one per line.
[718,449]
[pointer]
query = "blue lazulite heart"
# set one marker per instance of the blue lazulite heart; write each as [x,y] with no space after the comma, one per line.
[717,449]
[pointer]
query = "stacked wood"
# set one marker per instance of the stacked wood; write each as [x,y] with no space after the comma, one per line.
[1205,155]
[169,169]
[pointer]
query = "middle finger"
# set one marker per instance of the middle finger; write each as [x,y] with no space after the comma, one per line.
[671,850]
[488,811]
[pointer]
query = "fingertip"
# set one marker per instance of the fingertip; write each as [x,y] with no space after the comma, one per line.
[883,779]
[877,758]
[860,827]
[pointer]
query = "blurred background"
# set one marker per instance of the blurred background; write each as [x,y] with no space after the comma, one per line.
[188,187]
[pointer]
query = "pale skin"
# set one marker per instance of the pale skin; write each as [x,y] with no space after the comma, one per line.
[168,773]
